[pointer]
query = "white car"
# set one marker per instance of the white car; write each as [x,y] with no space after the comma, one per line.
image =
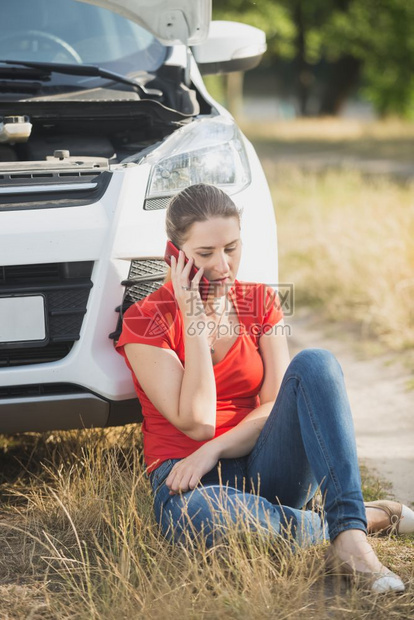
[103,117]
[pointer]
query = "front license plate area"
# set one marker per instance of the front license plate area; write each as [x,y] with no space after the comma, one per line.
[22,321]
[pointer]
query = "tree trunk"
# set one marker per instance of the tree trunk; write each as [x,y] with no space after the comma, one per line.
[304,77]
[341,80]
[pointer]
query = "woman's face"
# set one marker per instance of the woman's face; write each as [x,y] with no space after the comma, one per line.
[216,245]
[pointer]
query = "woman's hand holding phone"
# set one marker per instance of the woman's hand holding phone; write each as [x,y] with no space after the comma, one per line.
[187,289]
[185,275]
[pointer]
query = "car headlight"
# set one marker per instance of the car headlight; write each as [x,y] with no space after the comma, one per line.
[209,150]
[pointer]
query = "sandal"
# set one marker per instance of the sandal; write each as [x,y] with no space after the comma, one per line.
[401,517]
[377,583]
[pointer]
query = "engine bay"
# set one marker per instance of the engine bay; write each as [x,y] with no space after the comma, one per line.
[110,121]
[114,130]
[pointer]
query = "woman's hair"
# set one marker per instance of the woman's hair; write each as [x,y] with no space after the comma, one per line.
[196,203]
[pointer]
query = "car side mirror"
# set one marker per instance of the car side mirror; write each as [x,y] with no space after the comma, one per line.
[230,46]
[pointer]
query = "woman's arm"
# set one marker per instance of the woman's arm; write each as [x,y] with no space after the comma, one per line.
[240,440]
[186,396]
[189,404]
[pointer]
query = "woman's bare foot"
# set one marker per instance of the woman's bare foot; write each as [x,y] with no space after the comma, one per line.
[353,548]
[352,554]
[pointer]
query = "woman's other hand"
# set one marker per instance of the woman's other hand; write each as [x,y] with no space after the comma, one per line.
[187,473]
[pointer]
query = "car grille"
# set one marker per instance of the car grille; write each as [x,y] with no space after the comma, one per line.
[51,189]
[145,276]
[151,204]
[66,288]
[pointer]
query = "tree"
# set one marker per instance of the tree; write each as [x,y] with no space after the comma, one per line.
[358,40]
[380,34]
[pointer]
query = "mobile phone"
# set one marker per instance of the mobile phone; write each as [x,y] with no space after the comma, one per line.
[172,250]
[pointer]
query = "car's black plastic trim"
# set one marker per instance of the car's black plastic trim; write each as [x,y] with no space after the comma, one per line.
[53,199]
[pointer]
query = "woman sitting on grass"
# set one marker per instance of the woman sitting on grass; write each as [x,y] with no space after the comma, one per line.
[229,422]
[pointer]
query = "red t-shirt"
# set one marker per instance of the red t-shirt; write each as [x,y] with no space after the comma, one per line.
[157,321]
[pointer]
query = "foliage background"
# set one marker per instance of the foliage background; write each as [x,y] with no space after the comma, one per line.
[336,47]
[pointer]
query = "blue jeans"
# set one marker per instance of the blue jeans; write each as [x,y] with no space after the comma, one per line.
[307,442]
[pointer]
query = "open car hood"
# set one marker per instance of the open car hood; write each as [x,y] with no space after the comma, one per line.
[171,21]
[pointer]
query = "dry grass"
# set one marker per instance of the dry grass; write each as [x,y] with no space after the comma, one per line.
[330,129]
[79,541]
[347,243]
[346,238]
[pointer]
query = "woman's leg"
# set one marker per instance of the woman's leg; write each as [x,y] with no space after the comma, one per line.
[220,502]
[309,437]
[308,440]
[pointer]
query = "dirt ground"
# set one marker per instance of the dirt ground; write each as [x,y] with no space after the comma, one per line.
[382,405]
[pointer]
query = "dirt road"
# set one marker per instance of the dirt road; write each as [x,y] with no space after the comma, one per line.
[382,407]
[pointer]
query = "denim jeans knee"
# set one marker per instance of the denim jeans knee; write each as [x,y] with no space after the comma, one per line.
[319,362]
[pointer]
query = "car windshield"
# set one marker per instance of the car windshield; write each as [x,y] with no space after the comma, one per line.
[66,31]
